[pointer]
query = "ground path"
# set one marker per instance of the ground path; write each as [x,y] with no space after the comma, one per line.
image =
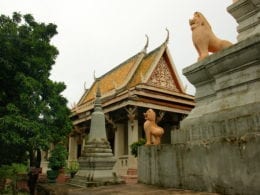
[131,189]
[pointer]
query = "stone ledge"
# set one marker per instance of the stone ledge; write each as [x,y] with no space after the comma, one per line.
[235,122]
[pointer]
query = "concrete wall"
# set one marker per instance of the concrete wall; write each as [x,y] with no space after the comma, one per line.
[222,166]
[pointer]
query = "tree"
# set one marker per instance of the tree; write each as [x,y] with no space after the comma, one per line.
[33,112]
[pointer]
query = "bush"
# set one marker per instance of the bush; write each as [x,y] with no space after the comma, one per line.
[74,166]
[58,157]
[134,146]
[12,173]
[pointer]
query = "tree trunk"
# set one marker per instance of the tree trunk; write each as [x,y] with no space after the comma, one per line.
[35,162]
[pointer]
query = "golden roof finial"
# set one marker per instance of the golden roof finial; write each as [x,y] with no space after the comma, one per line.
[85,88]
[146,44]
[94,75]
[168,35]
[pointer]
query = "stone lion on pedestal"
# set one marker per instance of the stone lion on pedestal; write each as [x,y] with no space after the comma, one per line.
[203,38]
[153,132]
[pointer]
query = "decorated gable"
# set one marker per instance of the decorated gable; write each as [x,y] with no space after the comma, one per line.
[163,76]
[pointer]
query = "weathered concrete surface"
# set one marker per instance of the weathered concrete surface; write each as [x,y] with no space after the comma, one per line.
[246,13]
[223,167]
[217,147]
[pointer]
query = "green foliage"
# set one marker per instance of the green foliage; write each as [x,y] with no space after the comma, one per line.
[5,171]
[11,172]
[58,157]
[134,146]
[33,112]
[19,168]
[73,167]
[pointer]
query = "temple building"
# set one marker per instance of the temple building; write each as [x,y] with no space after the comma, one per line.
[145,80]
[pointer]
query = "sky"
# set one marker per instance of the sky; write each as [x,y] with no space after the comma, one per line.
[98,35]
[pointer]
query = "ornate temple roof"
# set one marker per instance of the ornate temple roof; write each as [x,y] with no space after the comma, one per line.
[134,71]
[114,79]
[154,73]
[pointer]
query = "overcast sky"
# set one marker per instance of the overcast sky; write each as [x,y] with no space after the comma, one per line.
[97,35]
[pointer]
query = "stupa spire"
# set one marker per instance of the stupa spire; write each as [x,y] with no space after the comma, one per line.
[97,160]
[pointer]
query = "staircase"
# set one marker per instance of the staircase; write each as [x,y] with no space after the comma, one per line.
[131,177]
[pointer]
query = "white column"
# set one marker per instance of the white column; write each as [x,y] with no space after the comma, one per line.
[132,134]
[132,137]
[72,148]
[119,140]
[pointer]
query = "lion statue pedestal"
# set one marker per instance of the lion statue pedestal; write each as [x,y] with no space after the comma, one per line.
[203,38]
[153,132]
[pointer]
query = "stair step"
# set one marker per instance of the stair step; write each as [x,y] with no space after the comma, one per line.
[82,182]
[131,171]
[130,179]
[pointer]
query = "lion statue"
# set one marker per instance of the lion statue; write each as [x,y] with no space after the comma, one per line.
[153,132]
[203,38]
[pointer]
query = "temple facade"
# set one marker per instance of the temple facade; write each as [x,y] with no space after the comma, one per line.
[145,80]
